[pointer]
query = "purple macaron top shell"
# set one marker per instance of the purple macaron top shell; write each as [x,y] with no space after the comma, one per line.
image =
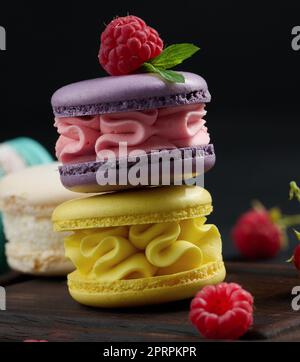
[127,93]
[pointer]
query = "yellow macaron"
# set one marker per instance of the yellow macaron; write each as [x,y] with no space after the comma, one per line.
[140,247]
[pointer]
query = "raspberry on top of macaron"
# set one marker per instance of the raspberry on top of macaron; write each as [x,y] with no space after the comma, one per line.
[126,43]
[129,45]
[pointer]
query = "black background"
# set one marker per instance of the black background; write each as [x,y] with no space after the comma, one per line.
[246,57]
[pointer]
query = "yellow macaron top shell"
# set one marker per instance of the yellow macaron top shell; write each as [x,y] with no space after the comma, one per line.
[144,206]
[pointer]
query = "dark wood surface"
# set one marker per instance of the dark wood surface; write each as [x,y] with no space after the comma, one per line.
[42,309]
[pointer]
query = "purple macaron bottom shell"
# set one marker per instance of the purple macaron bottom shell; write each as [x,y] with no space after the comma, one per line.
[97,176]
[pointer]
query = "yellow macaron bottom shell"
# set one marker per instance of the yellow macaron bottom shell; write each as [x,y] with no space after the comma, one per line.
[180,256]
[144,291]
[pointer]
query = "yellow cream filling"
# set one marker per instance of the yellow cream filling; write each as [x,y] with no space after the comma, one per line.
[141,251]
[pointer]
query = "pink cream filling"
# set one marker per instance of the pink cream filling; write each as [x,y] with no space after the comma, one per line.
[82,138]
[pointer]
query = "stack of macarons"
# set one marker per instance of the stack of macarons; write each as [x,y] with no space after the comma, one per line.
[16,155]
[150,243]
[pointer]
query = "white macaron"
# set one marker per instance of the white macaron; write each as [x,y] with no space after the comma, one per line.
[27,200]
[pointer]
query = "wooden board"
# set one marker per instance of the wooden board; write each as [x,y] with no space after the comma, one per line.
[42,309]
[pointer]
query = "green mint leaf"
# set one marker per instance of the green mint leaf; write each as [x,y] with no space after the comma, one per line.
[169,58]
[169,75]
[173,55]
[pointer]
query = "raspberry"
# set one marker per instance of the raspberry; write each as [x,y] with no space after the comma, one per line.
[296,257]
[224,311]
[256,235]
[126,43]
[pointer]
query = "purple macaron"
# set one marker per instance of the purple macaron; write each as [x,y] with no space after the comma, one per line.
[80,108]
